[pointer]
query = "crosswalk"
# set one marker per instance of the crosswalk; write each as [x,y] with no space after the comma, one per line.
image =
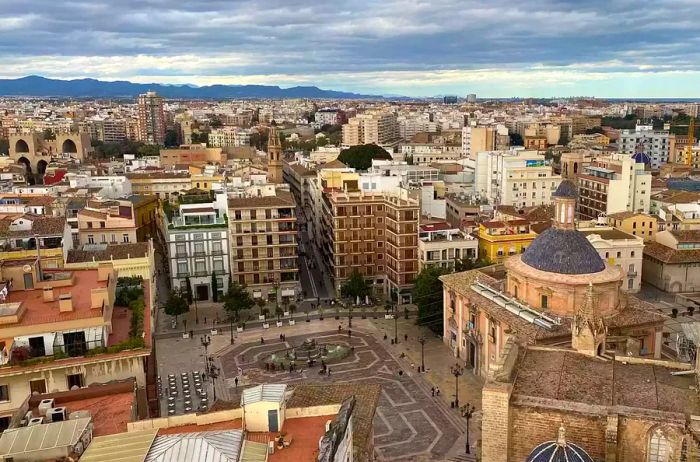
[464,458]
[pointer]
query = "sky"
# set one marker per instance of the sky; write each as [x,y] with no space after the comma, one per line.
[494,48]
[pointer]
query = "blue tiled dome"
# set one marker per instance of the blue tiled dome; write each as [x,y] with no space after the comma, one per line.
[567,188]
[563,251]
[641,158]
[552,451]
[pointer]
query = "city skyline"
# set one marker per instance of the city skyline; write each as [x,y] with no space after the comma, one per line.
[538,48]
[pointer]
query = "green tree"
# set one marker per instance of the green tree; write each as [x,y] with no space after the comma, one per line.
[198,138]
[214,287]
[237,298]
[215,122]
[176,304]
[171,138]
[516,140]
[360,157]
[49,134]
[148,150]
[188,294]
[427,295]
[355,286]
[466,264]
[594,130]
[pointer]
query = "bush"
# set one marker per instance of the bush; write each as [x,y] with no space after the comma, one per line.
[137,308]
[125,295]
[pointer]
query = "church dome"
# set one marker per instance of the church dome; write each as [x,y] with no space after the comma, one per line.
[564,251]
[641,158]
[567,188]
[558,451]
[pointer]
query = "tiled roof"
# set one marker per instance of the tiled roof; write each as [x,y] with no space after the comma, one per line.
[563,251]
[334,164]
[670,255]
[687,236]
[93,214]
[111,251]
[626,215]
[281,199]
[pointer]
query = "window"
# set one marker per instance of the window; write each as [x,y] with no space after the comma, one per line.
[219,265]
[182,267]
[619,254]
[37,387]
[216,247]
[75,380]
[200,266]
[125,237]
[632,254]
[91,239]
[4,393]
[102,224]
[181,249]
[544,300]
[89,223]
[4,423]
[198,247]
[658,447]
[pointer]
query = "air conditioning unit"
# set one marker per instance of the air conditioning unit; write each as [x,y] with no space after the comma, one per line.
[56,414]
[35,421]
[45,405]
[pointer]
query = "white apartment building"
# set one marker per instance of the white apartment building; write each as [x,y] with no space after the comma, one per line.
[654,143]
[612,184]
[371,128]
[516,177]
[427,153]
[619,248]
[111,187]
[197,239]
[327,116]
[132,163]
[324,154]
[229,137]
[440,244]
[410,126]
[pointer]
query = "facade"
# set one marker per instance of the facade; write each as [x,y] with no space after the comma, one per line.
[374,234]
[107,222]
[164,185]
[329,116]
[371,128]
[500,239]
[151,119]
[264,247]
[619,248]
[19,235]
[229,137]
[439,244]
[671,262]
[198,247]
[516,177]
[477,139]
[613,184]
[108,130]
[645,139]
[637,224]
[51,319]
[460,207]
[191,154]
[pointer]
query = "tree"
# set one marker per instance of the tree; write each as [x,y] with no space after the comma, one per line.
[176,304]
[188,294]
[516,140]
[171,138]
[198,138]
[237,298]
[355,286]
[360,157]
[214,287]
[215,122]
[49,134]
[594,130]
[427,295]
[466,264]
[148,150]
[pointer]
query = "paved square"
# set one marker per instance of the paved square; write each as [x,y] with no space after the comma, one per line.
[409,423]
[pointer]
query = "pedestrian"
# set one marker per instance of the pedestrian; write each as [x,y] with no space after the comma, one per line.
[235,382]
[405,337]
[191,334]
[339,328]
[349,333]
[432,391]
[400,373]
[290,368]
[437,391]
[205,320]
[329,372]
[262,340]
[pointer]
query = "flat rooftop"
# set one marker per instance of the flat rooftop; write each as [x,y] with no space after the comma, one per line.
[566,375]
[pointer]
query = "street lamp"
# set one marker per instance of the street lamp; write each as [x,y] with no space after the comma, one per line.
[467,412]
[457,371]
[206,341]
[421,340]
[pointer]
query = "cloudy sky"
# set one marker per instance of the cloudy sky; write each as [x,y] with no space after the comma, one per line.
[497,48]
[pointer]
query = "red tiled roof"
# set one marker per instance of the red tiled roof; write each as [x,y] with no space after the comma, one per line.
[436,227]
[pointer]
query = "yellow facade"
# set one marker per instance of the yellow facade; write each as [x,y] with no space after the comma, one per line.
[637,224]
[335,179]
[498,243]
[205,182]
[50,258]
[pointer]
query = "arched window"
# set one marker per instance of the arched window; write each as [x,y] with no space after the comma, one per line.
[658,447]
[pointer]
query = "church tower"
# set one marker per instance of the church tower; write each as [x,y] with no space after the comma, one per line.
[588,330]
[274,157]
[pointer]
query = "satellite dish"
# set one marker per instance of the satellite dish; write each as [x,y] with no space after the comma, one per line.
[27,268]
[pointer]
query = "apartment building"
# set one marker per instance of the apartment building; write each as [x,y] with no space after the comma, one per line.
[441,244]
[671,262]
[637,224]
[654,143]
[612,184]
[151,119]
[107,222]
[163,185]
[108,130]
[329,116]
[264,247]
[517,177]
[30,236]
[57,326]
[196,236]
[581,123]
[476,139]
[371,128]
[500,239]
[191,154]
[619,248]
[229,137]
[373,233]
[461,206]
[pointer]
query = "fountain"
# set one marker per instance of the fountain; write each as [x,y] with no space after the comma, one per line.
[309,350]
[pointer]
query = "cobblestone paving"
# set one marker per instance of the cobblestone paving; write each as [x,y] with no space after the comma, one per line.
[409,423]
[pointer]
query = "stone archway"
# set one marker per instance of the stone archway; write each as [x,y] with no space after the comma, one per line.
[69,147]
[27,164]
[41,167]
[21,146]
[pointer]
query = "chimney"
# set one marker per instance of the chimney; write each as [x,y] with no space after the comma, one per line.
[65,302]
[104,271]
[48,294]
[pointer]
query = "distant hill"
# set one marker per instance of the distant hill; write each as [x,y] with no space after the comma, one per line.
[85,88]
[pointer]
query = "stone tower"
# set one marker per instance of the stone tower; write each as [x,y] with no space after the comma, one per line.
[588,330]
[274,157]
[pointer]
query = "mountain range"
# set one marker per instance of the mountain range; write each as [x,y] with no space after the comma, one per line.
[34,85]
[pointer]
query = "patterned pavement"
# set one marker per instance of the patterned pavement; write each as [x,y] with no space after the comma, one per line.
[409,423]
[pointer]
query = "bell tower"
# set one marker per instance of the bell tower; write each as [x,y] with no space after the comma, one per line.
[588,330]
[274,157]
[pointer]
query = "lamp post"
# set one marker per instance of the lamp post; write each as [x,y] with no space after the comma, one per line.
[206,341]
[457,371]
[231,321]
[421,340]
[396,327]
[467,412]
[214,374]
